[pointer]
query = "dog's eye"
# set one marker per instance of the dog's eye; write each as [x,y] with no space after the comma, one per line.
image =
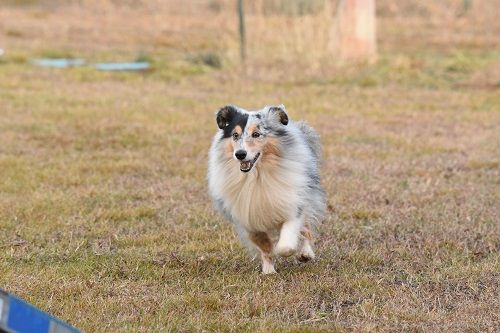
[255,134]
[235,136]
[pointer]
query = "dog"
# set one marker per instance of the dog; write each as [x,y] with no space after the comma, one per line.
[263,176]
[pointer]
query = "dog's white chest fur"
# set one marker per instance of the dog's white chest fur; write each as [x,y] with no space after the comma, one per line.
[260,201]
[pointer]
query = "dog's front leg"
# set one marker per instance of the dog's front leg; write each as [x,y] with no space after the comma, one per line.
[306,251]
[265,246]
[289,237]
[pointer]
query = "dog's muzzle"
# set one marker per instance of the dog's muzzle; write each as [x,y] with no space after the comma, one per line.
[246,166]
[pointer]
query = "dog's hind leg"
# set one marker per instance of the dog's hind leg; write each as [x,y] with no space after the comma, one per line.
[306,252]
[265,246]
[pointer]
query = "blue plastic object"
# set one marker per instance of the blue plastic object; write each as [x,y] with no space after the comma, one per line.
[58,63]
[123,66]
[17,316]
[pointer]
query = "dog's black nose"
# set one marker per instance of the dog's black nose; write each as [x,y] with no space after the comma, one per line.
[240,154]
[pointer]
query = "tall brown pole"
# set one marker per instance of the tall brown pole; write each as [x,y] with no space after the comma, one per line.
[241,15]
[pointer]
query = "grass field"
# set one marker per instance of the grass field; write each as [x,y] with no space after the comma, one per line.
[105,219]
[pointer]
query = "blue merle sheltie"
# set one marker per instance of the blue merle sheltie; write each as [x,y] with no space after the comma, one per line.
[263,176]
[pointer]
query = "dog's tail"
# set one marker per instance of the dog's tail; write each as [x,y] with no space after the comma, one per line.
[312,138]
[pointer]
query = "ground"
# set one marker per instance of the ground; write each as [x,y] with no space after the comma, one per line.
[104,213]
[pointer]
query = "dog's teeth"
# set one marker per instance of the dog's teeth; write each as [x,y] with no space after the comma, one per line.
[245,165]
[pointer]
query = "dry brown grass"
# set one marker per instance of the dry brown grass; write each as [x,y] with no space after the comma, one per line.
[105,220]
[89,26]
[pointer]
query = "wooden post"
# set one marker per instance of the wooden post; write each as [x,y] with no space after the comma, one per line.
[354,33]
[241,15]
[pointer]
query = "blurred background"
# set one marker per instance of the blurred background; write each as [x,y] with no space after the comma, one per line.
[298,34]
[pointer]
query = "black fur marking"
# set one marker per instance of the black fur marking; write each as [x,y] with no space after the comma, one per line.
[280,132]
[258,116]
[228,118]
[225,115]
[299,211]
[314,178]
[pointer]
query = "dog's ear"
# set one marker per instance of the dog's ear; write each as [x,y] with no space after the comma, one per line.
[225,115]
[279,113]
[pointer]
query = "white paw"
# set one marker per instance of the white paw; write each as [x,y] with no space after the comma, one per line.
[268,269]
[285,249]
[306,253]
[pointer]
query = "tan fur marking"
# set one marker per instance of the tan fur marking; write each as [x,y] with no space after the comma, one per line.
[271,153]
[306,253]
[238,129]
[262,241]
[228,148]
[272,147]
[306,232]
[252,128]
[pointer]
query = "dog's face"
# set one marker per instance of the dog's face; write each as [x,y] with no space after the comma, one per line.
[252,137]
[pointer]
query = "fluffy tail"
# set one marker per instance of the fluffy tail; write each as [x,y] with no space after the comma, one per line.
[312,139]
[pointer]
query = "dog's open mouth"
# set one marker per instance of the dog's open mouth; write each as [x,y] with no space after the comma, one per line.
[246,166]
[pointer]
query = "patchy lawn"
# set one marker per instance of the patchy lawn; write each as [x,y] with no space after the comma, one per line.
[106,222]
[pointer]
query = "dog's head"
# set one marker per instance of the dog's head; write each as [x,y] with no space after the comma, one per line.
[251,137]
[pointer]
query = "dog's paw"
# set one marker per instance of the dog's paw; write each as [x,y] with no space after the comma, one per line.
[306,253]
[306,257]
[285,250]
[268,269]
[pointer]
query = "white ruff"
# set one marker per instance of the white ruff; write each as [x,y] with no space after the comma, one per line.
[262,199]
